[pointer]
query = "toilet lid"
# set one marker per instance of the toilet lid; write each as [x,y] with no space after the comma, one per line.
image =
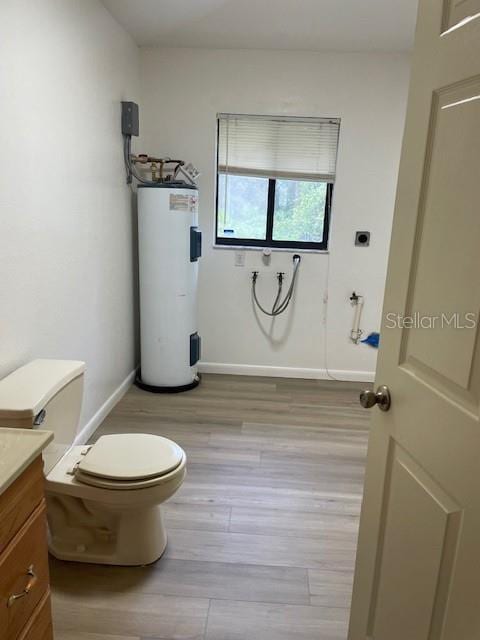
[131,456]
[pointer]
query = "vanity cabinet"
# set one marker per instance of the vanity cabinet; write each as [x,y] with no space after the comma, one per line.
[25,612]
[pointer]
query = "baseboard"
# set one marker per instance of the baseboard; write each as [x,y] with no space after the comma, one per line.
[286,372]
[102,413]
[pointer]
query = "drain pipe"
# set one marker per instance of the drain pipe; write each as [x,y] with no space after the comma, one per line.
[358,302]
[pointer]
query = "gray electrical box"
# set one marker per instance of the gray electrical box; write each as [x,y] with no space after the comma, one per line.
[130,123]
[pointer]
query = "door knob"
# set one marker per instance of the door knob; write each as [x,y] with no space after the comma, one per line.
[381,397]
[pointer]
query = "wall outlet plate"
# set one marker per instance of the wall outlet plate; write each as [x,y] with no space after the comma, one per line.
[239,258]
[362,238]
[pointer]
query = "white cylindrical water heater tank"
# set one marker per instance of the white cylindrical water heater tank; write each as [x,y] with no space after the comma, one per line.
[169,244]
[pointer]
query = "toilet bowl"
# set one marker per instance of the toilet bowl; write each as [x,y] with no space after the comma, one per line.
[103,500]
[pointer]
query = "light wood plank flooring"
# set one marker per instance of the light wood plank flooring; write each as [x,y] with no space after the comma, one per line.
[262,534]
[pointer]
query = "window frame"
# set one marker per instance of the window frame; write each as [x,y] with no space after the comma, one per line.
[269,241]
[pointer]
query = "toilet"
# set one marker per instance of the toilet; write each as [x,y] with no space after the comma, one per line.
[103,500]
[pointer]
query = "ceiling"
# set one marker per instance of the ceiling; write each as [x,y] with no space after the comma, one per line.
[302,25]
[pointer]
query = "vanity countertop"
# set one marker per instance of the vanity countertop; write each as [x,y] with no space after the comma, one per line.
[18,448]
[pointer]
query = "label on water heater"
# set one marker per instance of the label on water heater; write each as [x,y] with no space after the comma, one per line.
[183,202]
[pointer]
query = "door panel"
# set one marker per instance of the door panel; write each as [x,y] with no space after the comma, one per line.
[457,10]
[448,237]
[421,526]
[418,562]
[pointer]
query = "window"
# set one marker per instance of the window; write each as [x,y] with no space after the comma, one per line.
[275,180]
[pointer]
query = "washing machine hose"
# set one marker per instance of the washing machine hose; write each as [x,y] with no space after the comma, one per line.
[278,306]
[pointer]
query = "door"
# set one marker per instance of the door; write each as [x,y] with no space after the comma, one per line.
[418,563]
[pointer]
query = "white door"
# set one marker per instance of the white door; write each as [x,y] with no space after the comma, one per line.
[418,564]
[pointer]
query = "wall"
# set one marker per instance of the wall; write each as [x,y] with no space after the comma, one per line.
[66,259]
[183,90]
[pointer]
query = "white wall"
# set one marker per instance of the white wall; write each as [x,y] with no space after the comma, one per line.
[182,91]
[66,284]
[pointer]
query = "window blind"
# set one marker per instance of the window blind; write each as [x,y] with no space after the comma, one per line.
[278,147]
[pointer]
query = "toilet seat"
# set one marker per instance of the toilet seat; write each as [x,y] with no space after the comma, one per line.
[129,461]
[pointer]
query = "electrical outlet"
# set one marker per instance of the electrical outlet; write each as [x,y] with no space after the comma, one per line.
[362,238]
[239,258]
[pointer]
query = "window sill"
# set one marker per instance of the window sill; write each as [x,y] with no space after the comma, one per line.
[240,247]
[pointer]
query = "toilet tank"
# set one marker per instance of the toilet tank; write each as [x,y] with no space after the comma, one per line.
[45,394]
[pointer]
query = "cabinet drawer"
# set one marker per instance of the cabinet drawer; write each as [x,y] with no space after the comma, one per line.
[20,500]
[24,574]
[39,626]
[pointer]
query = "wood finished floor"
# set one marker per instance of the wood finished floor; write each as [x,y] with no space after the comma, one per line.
[262,534]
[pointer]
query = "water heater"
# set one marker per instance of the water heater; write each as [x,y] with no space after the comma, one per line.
[169,248]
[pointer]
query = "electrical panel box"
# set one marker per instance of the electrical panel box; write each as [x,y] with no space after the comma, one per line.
[130,122]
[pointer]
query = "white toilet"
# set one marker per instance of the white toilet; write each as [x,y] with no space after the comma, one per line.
[103,501]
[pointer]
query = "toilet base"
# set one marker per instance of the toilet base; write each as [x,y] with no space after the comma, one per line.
[86,531]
